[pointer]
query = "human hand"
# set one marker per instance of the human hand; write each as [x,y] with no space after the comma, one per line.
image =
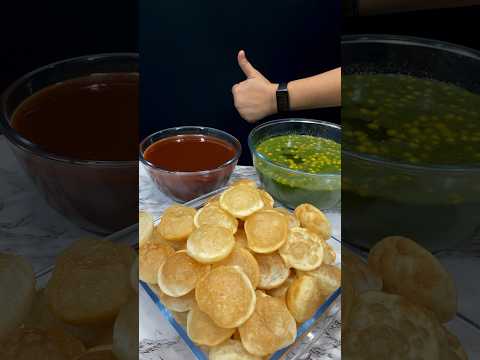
[255,97]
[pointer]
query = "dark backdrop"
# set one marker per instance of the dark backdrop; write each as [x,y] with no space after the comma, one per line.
[35,33]
[188,56]
[458,26]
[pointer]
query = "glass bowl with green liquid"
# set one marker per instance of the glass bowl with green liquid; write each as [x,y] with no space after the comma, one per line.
[411,141]
[299,161]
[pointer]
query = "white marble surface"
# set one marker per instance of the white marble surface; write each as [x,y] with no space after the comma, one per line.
[28,226]
[158,340]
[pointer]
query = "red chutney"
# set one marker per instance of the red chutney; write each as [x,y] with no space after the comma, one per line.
[92,118]
[89,118]
[181,164]
[189,153]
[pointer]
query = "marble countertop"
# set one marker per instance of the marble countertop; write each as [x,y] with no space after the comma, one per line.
[158,340]
[28,226]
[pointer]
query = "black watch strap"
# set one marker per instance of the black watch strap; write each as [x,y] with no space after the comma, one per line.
[283,101]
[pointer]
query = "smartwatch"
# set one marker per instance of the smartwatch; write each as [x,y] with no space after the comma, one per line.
[283,102]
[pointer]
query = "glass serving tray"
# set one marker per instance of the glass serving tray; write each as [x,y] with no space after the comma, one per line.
[307,334]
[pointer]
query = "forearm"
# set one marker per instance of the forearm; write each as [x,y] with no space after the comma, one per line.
[319,91]
[372,7]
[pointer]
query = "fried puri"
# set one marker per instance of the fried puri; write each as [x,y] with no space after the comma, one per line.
[210,243]
[267,199]
[176,223]
[241,201]
[178,304]
[329,255]
[241,239]
[292,220]
[273,270]
[245,261]
[409,270]
[145,227]
[127,254]
[304,296]
[176,245]
[281,291]
[363,278]
[231,350]
[214,200]
[303,250]
[329,277]
[27,343]
[179,274]
[203,331]
[390,326]
[125,332]
[181,318]
[90,283]
[214,215]
[314,220]
[152,255]
[226,295]
[17,289]
[270,328]
[41,317]
[267,231]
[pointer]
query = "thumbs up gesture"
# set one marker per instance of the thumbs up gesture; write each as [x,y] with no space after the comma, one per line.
[254,98]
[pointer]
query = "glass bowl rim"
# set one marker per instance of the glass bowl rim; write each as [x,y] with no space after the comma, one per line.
[231,138]
[410,40]
[386,39]
[286,121]
[16,139]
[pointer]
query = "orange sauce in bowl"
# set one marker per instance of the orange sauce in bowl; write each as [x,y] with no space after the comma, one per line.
[189,153]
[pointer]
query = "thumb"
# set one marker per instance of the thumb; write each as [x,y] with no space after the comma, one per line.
[247,68]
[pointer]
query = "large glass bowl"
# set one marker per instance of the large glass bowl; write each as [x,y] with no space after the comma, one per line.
[99,196]
[438,206]
[182,185]
[293,187]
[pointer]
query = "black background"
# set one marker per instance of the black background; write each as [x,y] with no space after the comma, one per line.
[189,48]
[36,33]
[459,26]
[188,60]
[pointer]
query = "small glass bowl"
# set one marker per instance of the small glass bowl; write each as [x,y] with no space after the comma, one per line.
[182,185]
[322,190]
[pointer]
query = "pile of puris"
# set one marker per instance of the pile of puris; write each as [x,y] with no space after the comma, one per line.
[395,305]
[88,310]
[238,273]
